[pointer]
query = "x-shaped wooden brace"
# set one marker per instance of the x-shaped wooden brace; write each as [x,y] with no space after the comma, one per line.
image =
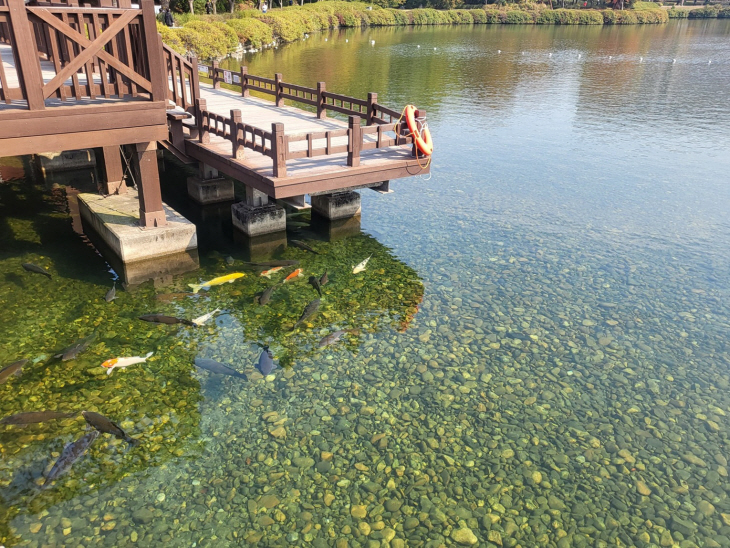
[91,48]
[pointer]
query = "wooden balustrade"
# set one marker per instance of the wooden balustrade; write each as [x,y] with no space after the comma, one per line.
[84,53]
[182,79]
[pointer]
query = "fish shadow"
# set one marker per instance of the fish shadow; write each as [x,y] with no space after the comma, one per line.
[24,483]
[13,278]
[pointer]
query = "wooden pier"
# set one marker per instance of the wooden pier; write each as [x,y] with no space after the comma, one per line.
[100,77]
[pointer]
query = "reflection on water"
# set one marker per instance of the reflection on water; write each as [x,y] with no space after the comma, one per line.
[541,355]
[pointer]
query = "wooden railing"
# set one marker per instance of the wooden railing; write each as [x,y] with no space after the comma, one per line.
[182,79]
[385,127]
[85,53]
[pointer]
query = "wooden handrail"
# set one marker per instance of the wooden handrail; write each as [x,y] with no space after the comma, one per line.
[91,53]
[181,75]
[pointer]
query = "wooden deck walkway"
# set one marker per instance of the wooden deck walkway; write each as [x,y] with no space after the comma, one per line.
[306,173]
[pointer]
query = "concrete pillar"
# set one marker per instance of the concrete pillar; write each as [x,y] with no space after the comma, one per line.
[256,216]
[210,191]
[207,172]
[339,205]
[338,229]
[111,171]
[262,247]
[144,165]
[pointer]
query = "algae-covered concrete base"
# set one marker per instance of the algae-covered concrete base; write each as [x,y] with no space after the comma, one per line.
[142,252]
[210,191]
[258,220]
[259,248]
[339,205]
[338,229]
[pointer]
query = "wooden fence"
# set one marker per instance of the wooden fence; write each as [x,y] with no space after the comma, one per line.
[89,53]
[384,127]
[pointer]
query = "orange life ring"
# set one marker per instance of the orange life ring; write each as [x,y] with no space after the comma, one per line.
[421,138]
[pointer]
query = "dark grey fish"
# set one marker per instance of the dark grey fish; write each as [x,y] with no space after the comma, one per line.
[76,348]
[273,263]
[314,282]
[34,417]
[230,260]
[302,245]
[111,294]
[309,311]
[12,369]
[217,367]
[332,338]
[70,454]
[161,318]
[30,267]
[105,425]
[296,224]
[266,362]
[324,279]
[265,296]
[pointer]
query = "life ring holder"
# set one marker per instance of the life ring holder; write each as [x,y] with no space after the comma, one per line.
[419,131]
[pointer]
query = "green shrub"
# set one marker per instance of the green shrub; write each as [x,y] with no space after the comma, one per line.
[478,16]
[252,32]
[609,17]
[724,13]
[652,16]
[205,45]
[493,15]
[170,37]
[285,28]
[705,12]
[462,17]
[675,13]
[626,17]
[547,17]
[645,6]
[518,17]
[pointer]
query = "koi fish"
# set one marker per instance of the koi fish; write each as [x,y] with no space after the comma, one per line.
[302,245]
[228,278]
[70,454]
[296,274]
[361,266]
[309,311]
[111,294]
[161,318]
[124,362]
[30,267]
[332,338]
[12,369]
[106,426]
[265,296]
[266,362]
[314,282]
[205,317]
[271,271]
[34,417]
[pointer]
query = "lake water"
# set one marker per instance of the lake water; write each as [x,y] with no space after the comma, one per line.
[541,355]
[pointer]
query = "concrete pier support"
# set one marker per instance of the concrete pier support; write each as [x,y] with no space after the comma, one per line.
[66,161]
[209,187]
[256,216]
[339,205]
[112,224]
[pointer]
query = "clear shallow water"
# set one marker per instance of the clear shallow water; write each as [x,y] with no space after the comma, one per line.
[564,382]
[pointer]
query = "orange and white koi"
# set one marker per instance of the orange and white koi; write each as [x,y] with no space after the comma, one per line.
[124,362]
[298,273]
[271,271]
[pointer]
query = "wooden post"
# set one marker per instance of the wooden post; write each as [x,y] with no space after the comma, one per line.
[31,79]
[216,82]
[418,114]
[278,147]
[321,101]
[194,81]
[201,120]
[237,134]
[112,171]
[244,81]
[176,132]
[278,88]
[354,141]
[372,100]
[153,43]
[144,161]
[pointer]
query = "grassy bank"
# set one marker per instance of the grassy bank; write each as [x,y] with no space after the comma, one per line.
[211,36]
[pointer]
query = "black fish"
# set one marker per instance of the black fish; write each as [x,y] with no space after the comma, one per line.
[70,454]
[217,367]
[273,263]
[12,369]
[111,294]
[324,279]
[34,417]
[314,282]
[161,318]
[30,267]
[76,348]
[266,362]
[309,311]
[103,424]
[332,338]
[302,245]
[265,296]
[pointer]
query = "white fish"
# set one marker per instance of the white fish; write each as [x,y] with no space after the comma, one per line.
[124,362]
[205,317]
[361,266]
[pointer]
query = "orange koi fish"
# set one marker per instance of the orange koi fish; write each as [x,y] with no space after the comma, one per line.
[271,271]
[296,274]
